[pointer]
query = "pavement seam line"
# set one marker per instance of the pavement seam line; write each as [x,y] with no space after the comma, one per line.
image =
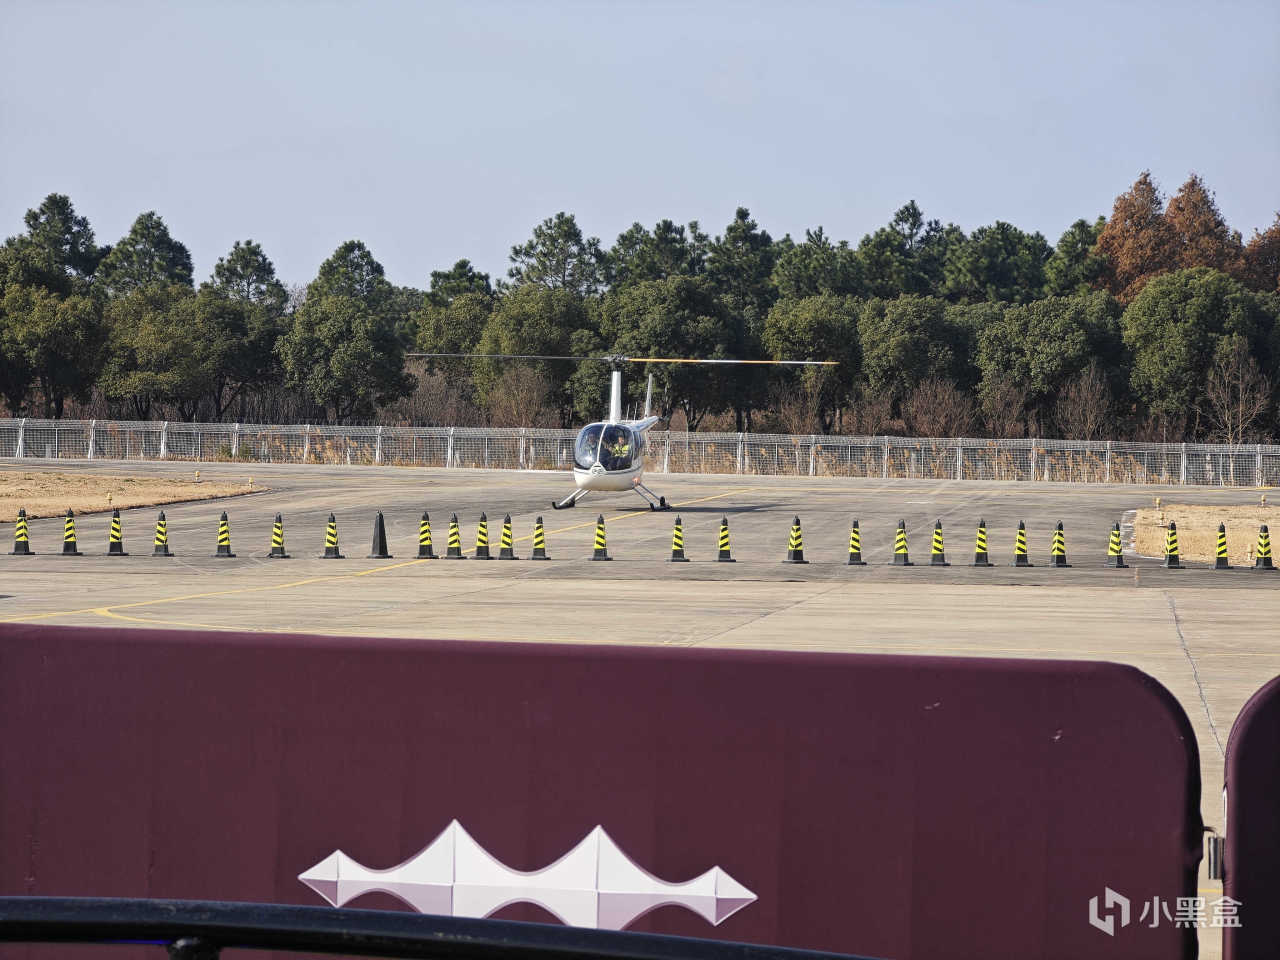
[768,613]
[1195,672]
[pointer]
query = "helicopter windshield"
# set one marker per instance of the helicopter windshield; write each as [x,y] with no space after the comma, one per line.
[613,445]
[585,447]
[616,447]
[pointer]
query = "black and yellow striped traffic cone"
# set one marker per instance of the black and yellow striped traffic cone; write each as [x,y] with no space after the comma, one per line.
[724,556]
[539,541]
[677,542]
[937,555]
[425,552]
[482,539]
[69,535]
[1262,558]
[1115,552]
[1058,552]
[855,546]
[115,540]
[1171,560]
[224,537]
[900,556]
[505,550]
[21,536]
[1020,558]
[277,540]
[160,546]
[1221,562]
[980,558]
[454,550]
[378,550]
[331,540]
[795,544]
[601,551]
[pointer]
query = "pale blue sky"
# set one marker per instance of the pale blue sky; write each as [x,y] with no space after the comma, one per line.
[434,131]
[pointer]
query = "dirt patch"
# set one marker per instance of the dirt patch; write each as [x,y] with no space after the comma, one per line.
[50,494]
[1198,530]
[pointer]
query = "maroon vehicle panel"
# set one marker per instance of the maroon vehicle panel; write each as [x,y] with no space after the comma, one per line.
[1252,856]
[890,806]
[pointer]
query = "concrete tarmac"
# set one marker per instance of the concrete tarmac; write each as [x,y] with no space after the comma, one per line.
[1209,636]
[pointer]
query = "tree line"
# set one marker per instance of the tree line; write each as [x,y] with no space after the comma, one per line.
[1158,322]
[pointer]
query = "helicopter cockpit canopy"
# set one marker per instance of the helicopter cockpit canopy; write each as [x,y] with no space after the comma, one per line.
[615,446]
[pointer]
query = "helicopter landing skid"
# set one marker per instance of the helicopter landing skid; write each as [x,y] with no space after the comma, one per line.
[655,502]
[570,501]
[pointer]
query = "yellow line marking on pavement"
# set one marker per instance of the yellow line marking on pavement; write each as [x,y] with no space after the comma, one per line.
[213,593]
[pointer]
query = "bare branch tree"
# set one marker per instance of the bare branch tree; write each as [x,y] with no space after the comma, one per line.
[1004,408]
[871,415]
[798,408]
[1236,395]
[1083,411]
[1158,428]
[519,399]
[936,408]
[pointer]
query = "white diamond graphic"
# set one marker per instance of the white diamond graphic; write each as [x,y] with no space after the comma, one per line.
[593,885]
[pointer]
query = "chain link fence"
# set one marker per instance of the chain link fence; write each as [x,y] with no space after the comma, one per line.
[666,452]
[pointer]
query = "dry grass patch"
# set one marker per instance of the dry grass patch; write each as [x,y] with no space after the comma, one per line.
[50,494]
[1198,530]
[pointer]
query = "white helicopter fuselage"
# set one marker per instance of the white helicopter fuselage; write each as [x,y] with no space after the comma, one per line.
[605,476]
[608,455]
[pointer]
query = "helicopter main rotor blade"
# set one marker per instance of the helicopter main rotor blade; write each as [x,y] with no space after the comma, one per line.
[500,356]
[773,363]
[539,356]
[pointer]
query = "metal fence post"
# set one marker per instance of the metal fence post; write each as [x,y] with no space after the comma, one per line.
[93,424]
[448,450]
[1182,472]
[306,443]
[741,451]
[884,461]
[1034,465]
[522,438]
[959,461]
[813,443]
[666,454]
[377,445]
[235,442]
[1257,470]
[20,450]
[1107,474]
[164,440]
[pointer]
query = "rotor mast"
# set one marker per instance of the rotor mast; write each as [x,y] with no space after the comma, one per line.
[615,388]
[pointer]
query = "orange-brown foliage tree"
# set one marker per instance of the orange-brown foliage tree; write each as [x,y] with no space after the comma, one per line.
[1197,232]
[1136,243]
[1262,259]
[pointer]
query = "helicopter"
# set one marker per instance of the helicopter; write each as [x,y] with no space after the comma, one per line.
[609,454]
